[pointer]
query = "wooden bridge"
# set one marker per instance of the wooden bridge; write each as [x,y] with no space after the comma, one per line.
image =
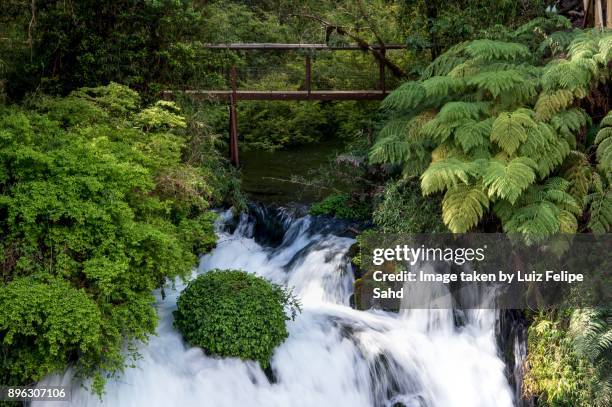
[233,95]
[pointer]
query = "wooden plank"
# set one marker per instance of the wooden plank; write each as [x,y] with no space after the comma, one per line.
[283,95]
[285,47]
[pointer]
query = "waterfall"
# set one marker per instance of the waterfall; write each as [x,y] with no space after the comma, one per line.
[334,355]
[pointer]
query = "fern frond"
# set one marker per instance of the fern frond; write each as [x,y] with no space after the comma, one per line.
[453,112]
[607,120]
[436,130]
[546,24]
[465,69]
[556,192]
[463,206]
[440,87]
[570,121]
[474,134]
[564,74]
[510,129]
[489,50]
[551,102]
[446,150]
[557,42]
[600,211]
[508,180]
[446,174]
[591,332]
[497,82]
[577,170]
[397,128]
[604,56]
[545,148]
[535,221]
[394,151]
[446,62]
[584,46]
[603,141]
[452,115]
[406,97]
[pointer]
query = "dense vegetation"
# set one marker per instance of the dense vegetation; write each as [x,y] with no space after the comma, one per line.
[234,313]
[97,208]
[499,128]
[511,130]
[502,123]
[570,358]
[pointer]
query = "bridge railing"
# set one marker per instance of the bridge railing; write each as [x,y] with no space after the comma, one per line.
[308,89]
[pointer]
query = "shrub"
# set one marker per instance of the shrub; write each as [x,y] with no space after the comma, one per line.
[236,314]
[404,210]
[555,374]
[341,206]
[97,209]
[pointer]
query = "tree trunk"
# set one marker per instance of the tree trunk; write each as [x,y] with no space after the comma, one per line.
[599,20]
[431,11]
[609,14]
[588,10]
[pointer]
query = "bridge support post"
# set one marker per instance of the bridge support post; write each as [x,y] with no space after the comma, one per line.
[234,159]
[382,73]
[308,76]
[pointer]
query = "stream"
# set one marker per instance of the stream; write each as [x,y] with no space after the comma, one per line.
[334,355]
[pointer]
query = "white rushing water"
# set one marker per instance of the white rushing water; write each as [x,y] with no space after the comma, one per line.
[334,356]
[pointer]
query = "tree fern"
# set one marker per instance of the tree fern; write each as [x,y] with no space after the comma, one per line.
[506,122]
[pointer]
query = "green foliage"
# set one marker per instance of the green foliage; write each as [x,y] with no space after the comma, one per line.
[42,321]
[69,44]
[435,26]
[554,373]
[501,122]
[271,125]
[98,207]
[603,141]
[569,359]
[343,207]
[591,333]
[236,314]
[599,198]
[404,210]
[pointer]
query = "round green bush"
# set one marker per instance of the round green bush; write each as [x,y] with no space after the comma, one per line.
[234,313]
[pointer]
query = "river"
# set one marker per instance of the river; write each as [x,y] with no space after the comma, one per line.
[334,355]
